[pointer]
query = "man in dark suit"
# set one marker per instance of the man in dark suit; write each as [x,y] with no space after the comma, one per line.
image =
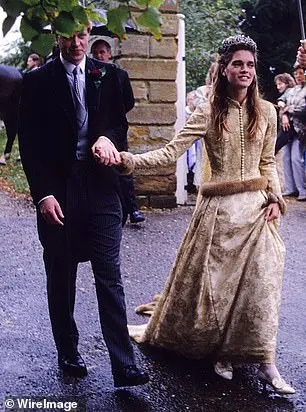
[69,142]
[101,50]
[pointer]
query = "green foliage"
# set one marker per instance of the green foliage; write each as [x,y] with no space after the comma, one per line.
[207,24]
[65,24]
[12,177]
[275,28]
[148,3]
[69,16]
[67,5]
[18,57]
[43,43]
[27,31]
[117,19]
[79,14]
[142,2]
[151,16]
[155,3]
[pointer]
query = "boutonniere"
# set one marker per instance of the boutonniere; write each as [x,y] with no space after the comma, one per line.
[96,75]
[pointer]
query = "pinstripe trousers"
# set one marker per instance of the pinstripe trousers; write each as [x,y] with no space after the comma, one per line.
[91,231]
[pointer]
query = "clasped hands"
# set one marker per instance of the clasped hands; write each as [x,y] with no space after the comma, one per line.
[105,152]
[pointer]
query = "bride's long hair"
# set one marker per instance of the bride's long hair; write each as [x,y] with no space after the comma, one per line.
[219,98]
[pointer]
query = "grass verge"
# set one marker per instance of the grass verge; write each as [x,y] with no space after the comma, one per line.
[12,177]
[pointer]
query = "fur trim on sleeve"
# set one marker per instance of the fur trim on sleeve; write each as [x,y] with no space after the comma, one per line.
[127,163]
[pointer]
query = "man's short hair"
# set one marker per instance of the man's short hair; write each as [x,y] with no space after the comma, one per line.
[35,57]
[98,43]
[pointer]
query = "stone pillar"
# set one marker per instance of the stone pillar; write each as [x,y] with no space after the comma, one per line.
[152,68]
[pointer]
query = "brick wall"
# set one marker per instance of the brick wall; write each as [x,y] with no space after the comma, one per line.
[152,68]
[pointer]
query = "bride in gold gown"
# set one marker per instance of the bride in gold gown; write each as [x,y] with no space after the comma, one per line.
[222,297]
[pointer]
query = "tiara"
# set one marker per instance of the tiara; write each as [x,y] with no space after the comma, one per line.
[234,42]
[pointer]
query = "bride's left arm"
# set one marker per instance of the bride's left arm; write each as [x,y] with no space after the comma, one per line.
[194,129]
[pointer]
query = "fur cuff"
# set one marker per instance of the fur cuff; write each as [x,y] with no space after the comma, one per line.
[231,188]
[272,198]
[127,163]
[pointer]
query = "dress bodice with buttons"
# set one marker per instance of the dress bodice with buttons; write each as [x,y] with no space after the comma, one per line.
[232,157]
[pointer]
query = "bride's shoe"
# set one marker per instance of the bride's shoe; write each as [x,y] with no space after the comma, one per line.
[224,369]
[277,384]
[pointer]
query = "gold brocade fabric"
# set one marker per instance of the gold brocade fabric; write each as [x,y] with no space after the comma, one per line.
[222,297]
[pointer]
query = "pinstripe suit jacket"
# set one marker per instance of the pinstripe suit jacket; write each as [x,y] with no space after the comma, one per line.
[47,125]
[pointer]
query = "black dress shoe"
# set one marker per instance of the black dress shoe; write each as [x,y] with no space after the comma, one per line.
[130,376]
[72,365]
[137,217]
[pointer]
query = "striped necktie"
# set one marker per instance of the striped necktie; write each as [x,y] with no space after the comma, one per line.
[80,109]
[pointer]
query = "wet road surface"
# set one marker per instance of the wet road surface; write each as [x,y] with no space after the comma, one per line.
[28,361]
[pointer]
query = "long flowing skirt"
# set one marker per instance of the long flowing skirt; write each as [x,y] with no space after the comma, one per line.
[222,297]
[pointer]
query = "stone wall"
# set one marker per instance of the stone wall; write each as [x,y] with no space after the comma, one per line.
[152,68]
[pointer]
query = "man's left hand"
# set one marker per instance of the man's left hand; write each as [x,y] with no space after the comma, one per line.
[105,152]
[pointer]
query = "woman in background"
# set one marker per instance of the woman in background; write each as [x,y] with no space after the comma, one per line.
[284,83]
[293,121]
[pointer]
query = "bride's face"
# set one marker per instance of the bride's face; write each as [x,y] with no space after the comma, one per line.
[240,71]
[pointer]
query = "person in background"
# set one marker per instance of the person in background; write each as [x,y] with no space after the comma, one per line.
[10,90]
[292,122]
[101,50]
[69,146]
[191,155]
[33,63]
[190,104]
[203,92]
[284,83]
[222,297]
[202,169]
[10,102]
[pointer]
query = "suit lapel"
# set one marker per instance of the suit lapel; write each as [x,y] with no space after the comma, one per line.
[63,93]
[94,93]
[62,90]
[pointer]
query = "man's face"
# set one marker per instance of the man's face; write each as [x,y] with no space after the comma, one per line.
[102,52]
[31,63]
[74,48]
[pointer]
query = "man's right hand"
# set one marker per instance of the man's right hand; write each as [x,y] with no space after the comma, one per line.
[105,152]
[51,211]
